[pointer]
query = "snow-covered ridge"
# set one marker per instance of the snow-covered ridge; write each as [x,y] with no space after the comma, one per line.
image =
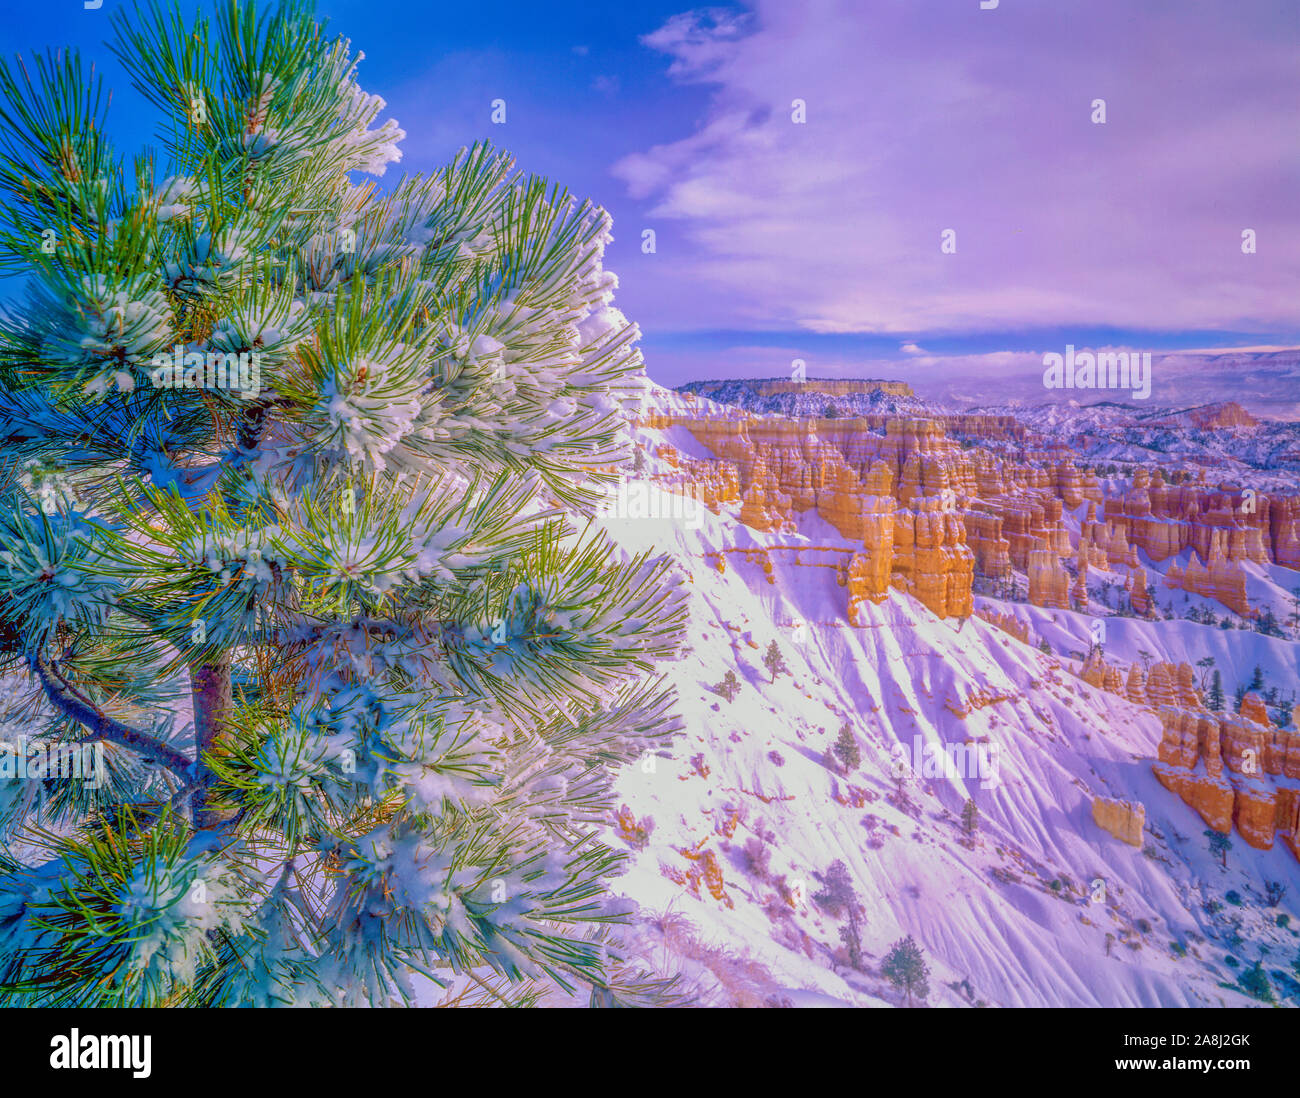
[813,396]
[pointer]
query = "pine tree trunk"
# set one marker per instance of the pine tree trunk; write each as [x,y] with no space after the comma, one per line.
[213,698]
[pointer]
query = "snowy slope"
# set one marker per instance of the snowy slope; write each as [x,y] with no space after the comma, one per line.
[987,915]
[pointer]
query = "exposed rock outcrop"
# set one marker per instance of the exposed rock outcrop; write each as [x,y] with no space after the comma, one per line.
[1122,819]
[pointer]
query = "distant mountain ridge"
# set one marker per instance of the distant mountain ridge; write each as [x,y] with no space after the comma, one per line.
[1222,434]
[810,397]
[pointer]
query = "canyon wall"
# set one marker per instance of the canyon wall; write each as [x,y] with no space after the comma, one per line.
[931,511]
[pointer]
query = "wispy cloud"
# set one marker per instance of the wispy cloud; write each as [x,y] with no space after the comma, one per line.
[929,117]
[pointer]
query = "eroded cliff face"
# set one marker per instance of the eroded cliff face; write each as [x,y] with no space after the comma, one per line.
[924,512]
[820,527]
[1236,770]
[1122,819]
[930,512]
[897,494]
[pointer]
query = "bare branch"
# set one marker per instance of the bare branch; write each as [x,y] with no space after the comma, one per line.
[72,703]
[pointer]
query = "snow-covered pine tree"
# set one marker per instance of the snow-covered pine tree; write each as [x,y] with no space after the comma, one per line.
[357,671]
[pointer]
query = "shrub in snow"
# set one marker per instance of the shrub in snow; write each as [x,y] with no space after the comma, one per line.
[729,687]
[970,819]
[361,685]
[1254,982]
[758,857]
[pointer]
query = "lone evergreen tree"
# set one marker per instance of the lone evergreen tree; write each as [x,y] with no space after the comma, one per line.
[288,467]
[899,771]
[905,968]
[970,819]
[1220,845]
[841,900]
[1206,665]
[838,891]
[1256,679]
[846,750]
[1215,702]
[774,661]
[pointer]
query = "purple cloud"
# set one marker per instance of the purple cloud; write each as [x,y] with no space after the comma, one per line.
[940,116]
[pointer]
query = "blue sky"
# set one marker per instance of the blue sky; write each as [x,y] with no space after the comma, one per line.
[821,240]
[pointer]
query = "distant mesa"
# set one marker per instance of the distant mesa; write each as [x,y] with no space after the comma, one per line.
[1225,414]
[836,387]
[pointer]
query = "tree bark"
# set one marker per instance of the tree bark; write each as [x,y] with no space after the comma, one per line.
[213,699]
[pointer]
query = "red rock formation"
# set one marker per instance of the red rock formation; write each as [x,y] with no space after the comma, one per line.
[1139,597]
[1122,819]
[1008,623]
[1079,591]
[1218,578]
[1226,414]
[932,561]
[869,474]
[1135,686]
[1213,798]
[1049,583]
[1224,765]
[991,549]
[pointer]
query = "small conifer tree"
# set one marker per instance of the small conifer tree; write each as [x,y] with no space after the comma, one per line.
[845,749]
[729,687]
[970,819]
[839,899]
[904,967]
[774,661]
[1254,981]
[1215,702]
[1220,845]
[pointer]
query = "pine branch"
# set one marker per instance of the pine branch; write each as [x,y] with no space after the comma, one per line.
[72,703]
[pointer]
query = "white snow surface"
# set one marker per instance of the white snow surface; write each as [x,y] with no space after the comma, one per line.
[1016,941]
